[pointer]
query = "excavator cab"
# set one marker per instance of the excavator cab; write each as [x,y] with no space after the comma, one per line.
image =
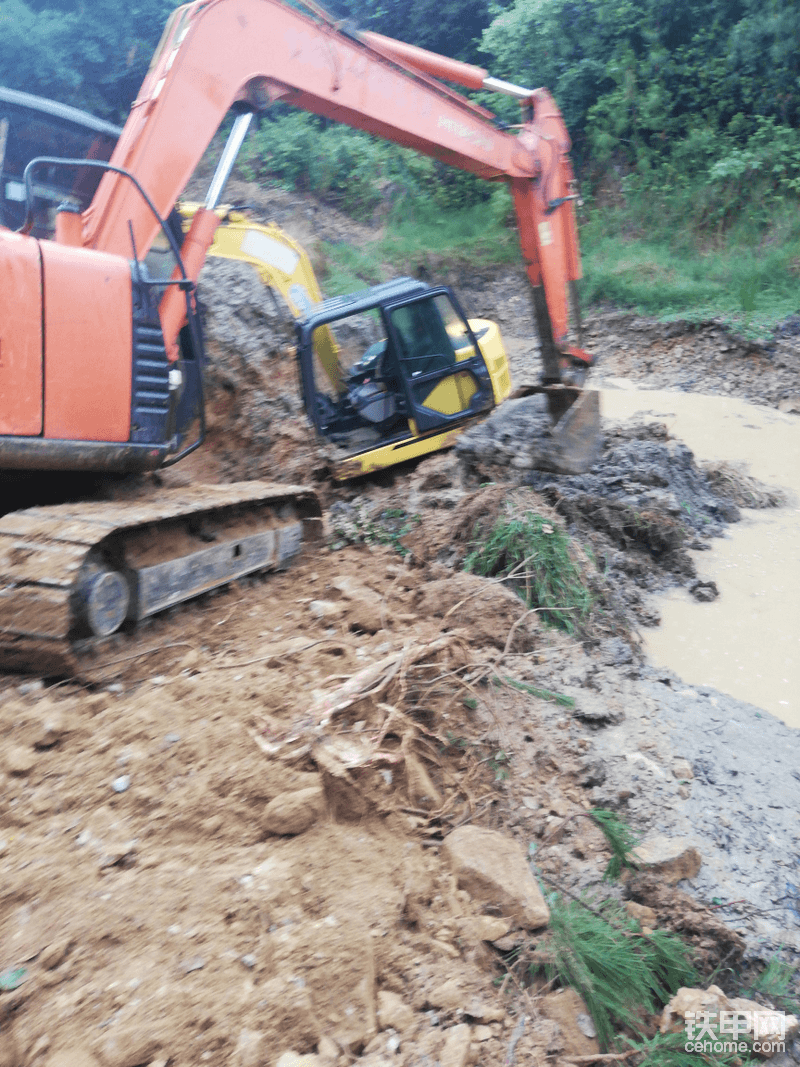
[33,126]
[405,370]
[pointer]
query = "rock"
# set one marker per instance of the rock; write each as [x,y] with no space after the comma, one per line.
[593,772]
[493,869]
[19,760]
[682,769]
[567,1009]
[249,1050]
[694,1003]
[455,1051]
[49,726]
[76,1056]
[596,709]
[326,609]
[704,591]
[294,1059]
[393,1012]
[483,1011]
[644,916]
[54,954]
[293,813]
[327,1050]
[476,928]
[121,784]
[128,1046]
[673,858]
[448,996]
[586,1025]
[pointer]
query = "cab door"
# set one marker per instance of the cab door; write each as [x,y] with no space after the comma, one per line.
[437,360]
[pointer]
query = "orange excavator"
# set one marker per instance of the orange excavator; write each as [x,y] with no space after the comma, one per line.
[101,361]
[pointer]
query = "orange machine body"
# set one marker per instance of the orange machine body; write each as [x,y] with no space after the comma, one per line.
[65,366]
[92,351]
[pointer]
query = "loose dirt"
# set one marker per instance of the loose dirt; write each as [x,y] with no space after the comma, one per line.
[231,848]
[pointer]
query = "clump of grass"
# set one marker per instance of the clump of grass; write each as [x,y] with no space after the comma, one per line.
[535,691]
[622,975]
[534,555]
[778,981]
[620,839]
[669,1050]
[732,482]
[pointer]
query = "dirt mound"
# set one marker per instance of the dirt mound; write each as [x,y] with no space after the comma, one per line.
[228,859]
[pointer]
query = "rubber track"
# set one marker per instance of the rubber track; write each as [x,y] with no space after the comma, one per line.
[42,550]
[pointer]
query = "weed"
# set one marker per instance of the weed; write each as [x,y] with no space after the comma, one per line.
[498,763]
[621,840]
[620,974]
[777,980]
[669,1050]
[543,694]
[535,556]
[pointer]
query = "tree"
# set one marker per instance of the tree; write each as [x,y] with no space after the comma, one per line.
[92,55]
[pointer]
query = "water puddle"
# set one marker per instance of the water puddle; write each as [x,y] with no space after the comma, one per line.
[747,641]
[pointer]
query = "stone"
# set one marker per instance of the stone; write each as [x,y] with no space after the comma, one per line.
[641,913]
[75,1056]
[327,1050]
[393,1012]
[49,726]
[294,1059]
[293,813]
[712,1001]
[673,858]
[493,869]
[326,609]
[19,759]
[249,1050]
[128,1046]
[54,954]
[455,1051]
[448,996]
[682,769]
[484,1011]
[567,1009]
[475,928]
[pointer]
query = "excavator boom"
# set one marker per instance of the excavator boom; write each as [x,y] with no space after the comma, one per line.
[274,52]
[102,360]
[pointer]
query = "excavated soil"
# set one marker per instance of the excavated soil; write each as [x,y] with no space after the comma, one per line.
[230,848]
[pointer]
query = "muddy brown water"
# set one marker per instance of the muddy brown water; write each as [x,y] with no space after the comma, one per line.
[746,642]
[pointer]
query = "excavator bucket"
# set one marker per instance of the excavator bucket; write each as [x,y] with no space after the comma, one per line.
[573,443]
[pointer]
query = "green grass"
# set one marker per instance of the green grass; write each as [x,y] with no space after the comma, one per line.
[621,975]
[748,277]
[535,557]
[474,233]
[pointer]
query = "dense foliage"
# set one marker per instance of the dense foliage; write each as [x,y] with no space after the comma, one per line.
[92,54]
[635,79]
[684,117]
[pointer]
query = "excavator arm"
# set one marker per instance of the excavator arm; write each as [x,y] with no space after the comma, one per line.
[246,54]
